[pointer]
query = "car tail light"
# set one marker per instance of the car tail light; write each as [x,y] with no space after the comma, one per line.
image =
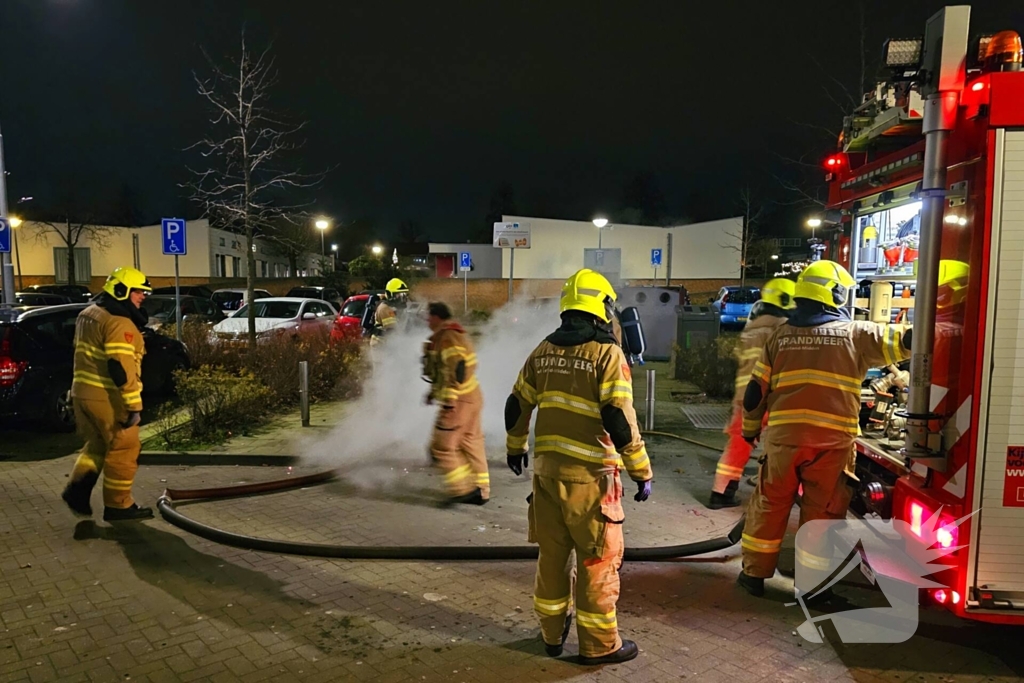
[10,369]
[944,596]
[725,297]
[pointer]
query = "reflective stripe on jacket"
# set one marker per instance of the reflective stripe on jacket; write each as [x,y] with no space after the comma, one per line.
[101,337]
[448,350]
[755,335]
[810,379]
[569,386]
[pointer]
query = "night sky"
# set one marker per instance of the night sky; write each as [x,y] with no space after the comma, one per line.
[423,109]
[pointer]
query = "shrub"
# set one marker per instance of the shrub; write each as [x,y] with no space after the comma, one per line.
[712,367]
[217,401]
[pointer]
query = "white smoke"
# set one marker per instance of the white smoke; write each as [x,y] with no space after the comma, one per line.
[388,429]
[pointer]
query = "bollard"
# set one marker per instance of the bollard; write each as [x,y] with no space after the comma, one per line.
[304,391]
[649,418]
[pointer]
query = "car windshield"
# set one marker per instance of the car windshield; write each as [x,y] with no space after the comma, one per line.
[272,309]
[307,292]
[354,308]
[225,297]
[159,308]
[744,295]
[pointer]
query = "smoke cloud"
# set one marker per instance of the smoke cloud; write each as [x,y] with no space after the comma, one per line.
[387,430]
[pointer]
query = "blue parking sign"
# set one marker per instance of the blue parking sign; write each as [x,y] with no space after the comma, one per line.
[5,236]
[655,257]
[465,260]
[172,231]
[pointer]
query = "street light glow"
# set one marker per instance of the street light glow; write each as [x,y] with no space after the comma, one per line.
[775,257]
[14,221]
[813,222]
[334,247]
[322,224]
[600,222]
[377,250]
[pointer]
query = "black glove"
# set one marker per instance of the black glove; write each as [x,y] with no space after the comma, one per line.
[643,490]
[752,440]
[134,418]
[517,463]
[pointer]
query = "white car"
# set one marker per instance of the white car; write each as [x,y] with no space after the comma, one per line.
[233,299]
[277,316]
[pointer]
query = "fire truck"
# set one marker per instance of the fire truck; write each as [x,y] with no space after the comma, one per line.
[926,191]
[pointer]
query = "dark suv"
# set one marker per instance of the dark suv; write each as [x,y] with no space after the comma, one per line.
[328,294]
[75,293]
[37,359]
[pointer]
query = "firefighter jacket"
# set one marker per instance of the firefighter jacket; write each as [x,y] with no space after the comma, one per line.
[108,355]
[384,317]
[449,364]
[809,380]
[580,384]
[753,338]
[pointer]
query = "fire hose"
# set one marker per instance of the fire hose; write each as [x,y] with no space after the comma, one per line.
[166,504]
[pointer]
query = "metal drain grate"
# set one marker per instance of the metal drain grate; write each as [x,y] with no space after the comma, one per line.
[708,417]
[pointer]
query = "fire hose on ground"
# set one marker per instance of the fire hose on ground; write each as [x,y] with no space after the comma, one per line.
[166,504]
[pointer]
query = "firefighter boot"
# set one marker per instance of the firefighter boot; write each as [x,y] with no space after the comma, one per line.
[77,493]
[476,497]
[556,650]
[752,584]
[725,500]
[625,653]
[128,514]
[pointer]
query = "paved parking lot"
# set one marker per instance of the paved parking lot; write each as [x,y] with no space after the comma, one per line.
[84,601]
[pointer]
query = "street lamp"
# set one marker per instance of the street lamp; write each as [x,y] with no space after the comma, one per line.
[334,257]
[377,250]
[322,224]
[813,224]
[600,224]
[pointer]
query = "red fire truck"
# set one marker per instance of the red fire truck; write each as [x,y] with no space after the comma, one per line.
[928,189]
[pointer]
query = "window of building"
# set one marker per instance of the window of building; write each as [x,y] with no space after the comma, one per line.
[236,266]
[221,265]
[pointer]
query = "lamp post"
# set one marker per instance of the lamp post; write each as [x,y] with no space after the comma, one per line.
[334,257]
[775,257]
[322,224]
[377,250]
[813,224]
[600,224]
[15,224]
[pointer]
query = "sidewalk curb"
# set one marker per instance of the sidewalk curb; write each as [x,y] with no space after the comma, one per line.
[176,459]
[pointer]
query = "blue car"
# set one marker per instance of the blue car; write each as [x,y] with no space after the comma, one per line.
[734,303]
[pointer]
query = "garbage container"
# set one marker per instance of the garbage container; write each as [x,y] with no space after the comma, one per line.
[695,325]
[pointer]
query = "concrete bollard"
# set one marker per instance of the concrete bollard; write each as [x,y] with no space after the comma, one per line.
[304,391]
[649,421]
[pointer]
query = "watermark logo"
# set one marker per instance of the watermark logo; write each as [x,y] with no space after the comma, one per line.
[896,556]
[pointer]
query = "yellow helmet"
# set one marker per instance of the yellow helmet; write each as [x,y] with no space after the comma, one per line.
[779,292]
[123,280]
[826,282]
[952,282]
[590,292]
[396,286]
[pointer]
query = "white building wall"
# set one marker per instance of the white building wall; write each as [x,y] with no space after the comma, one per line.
[707,250]
[486,259]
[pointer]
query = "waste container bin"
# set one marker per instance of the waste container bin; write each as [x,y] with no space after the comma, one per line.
[695,325]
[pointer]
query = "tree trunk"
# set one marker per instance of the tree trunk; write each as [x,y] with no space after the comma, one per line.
[293,264]
[71,252]
[250,281]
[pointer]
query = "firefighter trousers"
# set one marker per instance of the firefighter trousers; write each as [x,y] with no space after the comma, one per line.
[457,447]
[109,448]
[783,471]
[585,518]
[735,456]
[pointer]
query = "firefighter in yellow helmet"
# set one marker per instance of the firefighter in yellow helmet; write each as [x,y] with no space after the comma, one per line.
[107,397]
[586,431]
[771,311]
[808,379]
[384,317]
[457,445]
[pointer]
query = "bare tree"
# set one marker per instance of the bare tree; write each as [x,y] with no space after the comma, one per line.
[72,232]
[753,214]
[292,237]
[245,151]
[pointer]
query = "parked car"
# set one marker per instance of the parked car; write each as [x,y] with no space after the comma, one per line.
[37,359]
[76,293]
[187,290]
[328,294]
[233,299]
[734,303]
[348,324]
[277,315]
[160,309]
[41,299]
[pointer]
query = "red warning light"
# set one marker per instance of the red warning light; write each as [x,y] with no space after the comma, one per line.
[835,162]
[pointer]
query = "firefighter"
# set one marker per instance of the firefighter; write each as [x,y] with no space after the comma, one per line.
[586,430]
[808,379]
[457,446]
[107,397]
[767,314]
[397,291]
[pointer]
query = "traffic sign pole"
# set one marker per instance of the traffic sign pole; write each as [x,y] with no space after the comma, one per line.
[8,267]
[465,291]
[177,299]
[175,244]
[511,267]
